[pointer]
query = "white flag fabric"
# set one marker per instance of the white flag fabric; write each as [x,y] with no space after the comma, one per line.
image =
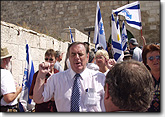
[124,38]
[25,103]
[99,33]
[72,39]
[132,14]
[116,40]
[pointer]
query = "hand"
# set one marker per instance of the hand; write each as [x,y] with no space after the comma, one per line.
[110,63]
[45,68]
[19,88]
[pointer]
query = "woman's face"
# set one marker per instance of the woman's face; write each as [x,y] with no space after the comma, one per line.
[153,60]
[50,59]
[100,60]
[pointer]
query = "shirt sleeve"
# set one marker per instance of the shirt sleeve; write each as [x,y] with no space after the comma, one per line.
[49,88]
[7,84]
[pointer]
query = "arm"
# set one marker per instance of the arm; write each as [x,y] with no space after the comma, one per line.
[11,96]
[44,68]
[144,40]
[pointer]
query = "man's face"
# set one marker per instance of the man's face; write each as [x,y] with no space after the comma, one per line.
[8,63]
[78,58]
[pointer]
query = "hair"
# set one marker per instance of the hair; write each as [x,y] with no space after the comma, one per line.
[87,46]
[50,52]
[91,56]
[58,54]
[103,53]
[130,86]
[149,48]
[76,43]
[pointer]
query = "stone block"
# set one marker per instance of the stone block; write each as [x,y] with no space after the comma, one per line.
[17,67]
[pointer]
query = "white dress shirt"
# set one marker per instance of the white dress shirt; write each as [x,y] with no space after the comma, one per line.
[58,66]
[92,66]
[137,54]
[60,85]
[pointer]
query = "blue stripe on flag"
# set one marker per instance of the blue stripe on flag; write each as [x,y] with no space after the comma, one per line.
[124,47]
[116,45]
[134,7]
[99,16]
[135,23]
[24,100]
[116,56]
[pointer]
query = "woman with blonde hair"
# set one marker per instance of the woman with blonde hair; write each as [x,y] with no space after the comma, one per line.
[101,58]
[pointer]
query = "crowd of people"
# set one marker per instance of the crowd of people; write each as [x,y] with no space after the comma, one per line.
[90,82]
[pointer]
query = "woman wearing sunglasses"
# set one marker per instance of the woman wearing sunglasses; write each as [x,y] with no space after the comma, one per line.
[50,105]
[151,58]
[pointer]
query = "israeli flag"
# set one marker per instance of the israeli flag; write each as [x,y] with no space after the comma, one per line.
[132,14]
[124,38]
[25,103]
[99,34]
[116,40]
[72,39]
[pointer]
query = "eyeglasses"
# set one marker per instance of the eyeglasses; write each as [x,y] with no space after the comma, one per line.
[151,58]
[46,59]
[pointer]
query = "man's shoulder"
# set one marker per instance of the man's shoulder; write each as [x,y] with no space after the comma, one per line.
[5,72]
[95,72]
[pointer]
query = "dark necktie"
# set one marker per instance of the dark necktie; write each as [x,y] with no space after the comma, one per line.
[75,98]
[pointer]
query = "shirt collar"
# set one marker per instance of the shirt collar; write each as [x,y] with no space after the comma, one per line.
[82,74]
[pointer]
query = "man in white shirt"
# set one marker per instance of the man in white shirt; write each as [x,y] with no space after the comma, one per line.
[91,64]
[135,50]
[9,91]
[58,58]
[60,85]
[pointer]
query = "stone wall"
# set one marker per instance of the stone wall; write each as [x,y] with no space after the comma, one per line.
[14,38]
[51,17]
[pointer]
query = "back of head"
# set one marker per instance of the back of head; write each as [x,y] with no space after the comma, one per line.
[91,56]
[133,41]
[103,53]
[87,46]
[130,86]
[58,53]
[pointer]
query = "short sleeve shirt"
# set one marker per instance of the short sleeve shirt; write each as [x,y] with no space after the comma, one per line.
[7,86]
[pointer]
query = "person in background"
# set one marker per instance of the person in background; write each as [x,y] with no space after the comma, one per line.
[109,48]
[9,91]
[58,58]
[135,51]
[91,64]
[128,87]
[151,59]
[87,46]
[48,106]
[101,59]
[89,84]
[127,55]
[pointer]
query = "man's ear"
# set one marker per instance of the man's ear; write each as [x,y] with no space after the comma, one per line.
[106,96]
[87,57]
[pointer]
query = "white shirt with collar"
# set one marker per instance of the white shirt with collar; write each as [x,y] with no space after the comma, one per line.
[60,85]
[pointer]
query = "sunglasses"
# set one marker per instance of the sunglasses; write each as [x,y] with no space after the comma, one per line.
[46,59]
[151,58]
